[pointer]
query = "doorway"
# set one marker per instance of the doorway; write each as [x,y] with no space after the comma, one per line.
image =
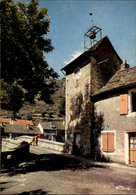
[132,148]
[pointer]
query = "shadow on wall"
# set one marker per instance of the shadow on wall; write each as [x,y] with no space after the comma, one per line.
[14,156]
[97,127]
[78,135]
[86,133]
[83,137]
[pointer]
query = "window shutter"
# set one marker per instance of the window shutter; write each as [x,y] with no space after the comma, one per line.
[110,142]
[104,142]
[124,104]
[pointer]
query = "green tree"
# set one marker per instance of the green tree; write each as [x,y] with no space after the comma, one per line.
[29,117]
[43,114]
[62,107]
[24,42]
[11,96]
[50,114]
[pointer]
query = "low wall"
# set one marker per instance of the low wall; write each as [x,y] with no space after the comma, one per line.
[9,144]
[58,146]
[12,152]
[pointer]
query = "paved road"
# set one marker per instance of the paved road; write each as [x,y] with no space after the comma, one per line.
[45,172]
[37,150]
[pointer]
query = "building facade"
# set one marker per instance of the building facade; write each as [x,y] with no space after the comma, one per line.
[85,75]
[54,131]
[115,104]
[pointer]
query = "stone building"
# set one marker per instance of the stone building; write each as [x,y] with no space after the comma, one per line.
[14,131]
[54,131]
[14,128]
[115,105]
[84,76]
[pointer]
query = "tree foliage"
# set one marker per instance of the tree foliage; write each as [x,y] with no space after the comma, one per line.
[24,28]
[62,107]
[11,96]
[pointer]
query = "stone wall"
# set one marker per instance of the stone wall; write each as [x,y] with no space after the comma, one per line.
[88,73]
[78,86]
[105,64]
[58,146]
[8,144]
[13,152]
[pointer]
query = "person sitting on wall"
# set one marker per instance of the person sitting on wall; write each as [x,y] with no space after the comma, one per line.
[35,140]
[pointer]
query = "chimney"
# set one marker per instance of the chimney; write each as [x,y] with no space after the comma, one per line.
[64,123]
[52,125]
[10,121]
[124,65]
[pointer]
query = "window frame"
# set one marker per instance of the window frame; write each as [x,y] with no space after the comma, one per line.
[133,108]
[108,152]
[130,102]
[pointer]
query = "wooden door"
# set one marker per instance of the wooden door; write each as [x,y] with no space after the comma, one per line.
[132,148]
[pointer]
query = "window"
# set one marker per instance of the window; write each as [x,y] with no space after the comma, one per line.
[133,101]
[108,142]
[77,72]
[124,104]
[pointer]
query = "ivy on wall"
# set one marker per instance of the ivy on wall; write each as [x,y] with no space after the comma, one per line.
[76,105]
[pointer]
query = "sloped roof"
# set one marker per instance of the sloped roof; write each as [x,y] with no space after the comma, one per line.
[60,125]
[2,120]
[22,122]
[87,54]
[21,129]
[122,78]
[53,125]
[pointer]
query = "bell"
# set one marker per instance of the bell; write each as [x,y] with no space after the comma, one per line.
[92,35]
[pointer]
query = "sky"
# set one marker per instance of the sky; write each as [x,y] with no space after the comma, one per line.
[70,20]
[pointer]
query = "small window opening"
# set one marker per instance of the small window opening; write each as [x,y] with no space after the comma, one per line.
[77,71]
[133,102]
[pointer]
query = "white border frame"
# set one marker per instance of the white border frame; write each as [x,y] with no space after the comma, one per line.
[126,145]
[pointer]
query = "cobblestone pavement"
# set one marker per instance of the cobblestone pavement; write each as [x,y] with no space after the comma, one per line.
[46,172]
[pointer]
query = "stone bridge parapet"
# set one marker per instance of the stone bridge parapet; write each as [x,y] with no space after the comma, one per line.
[47,144]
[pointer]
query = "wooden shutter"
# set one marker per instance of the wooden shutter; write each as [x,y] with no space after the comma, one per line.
[124,104]
[110,142]
[104,142]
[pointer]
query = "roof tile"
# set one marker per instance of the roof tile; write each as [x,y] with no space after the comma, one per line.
[22,122]
[122,78]
[2,120]
[53,125]
[21,129]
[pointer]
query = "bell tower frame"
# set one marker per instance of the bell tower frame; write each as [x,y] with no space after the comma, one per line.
[91,37]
